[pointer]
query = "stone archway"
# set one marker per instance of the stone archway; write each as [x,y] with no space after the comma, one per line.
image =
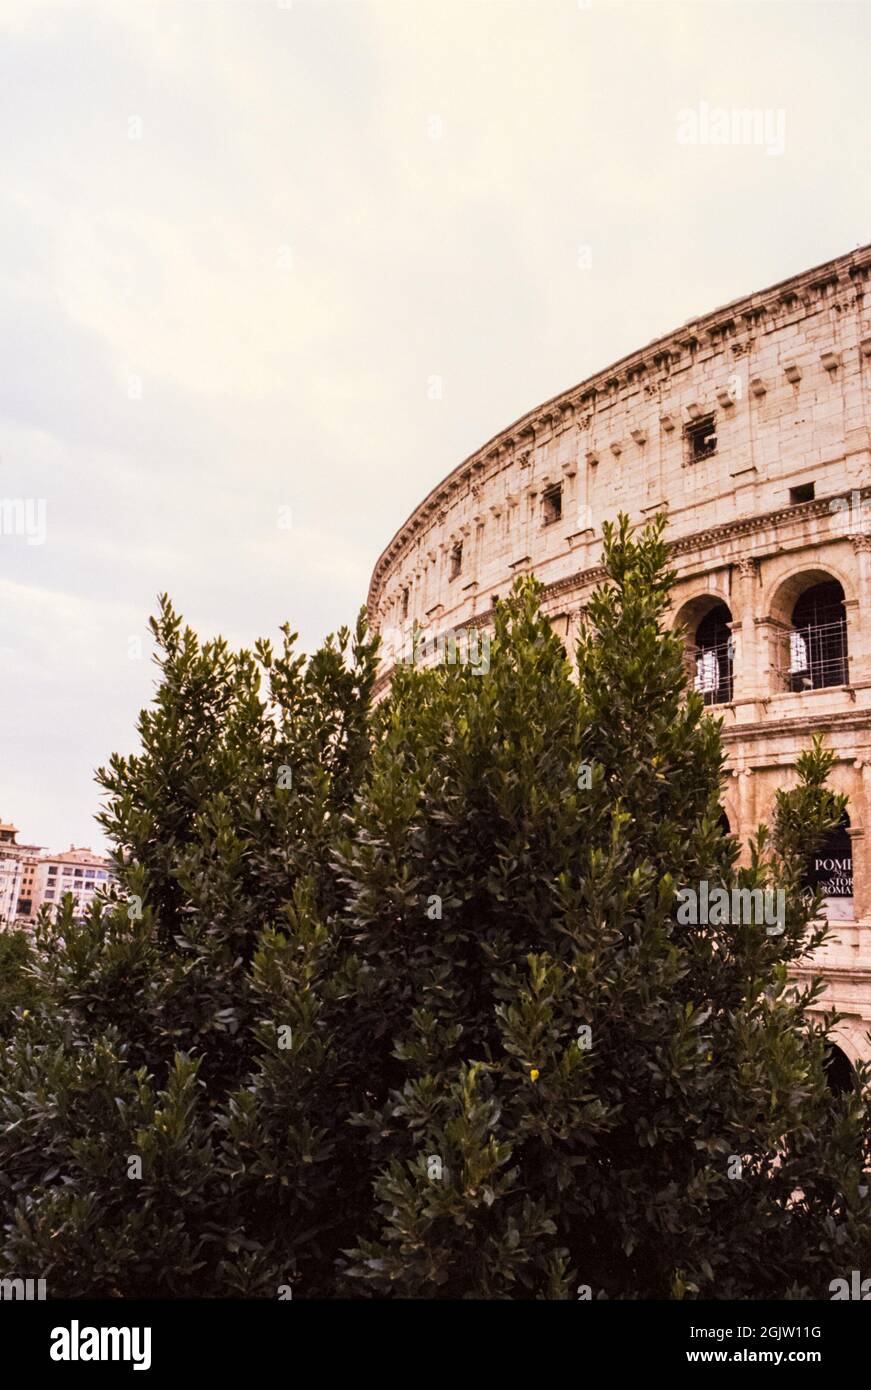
[706,624]
[807,622]
[839,1070]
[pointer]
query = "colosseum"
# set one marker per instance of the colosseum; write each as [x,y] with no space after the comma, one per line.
[749,428]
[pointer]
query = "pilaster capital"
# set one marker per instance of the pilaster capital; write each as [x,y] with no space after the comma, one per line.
[748,567]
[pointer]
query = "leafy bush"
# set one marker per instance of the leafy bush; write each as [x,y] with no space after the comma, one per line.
[395,1000]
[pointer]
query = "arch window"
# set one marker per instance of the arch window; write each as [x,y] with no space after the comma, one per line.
[818,639]
[712,656]
[840,1076]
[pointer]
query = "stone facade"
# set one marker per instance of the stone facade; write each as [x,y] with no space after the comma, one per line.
[750,428]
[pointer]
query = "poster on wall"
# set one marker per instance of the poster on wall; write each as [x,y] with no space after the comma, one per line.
[831,870]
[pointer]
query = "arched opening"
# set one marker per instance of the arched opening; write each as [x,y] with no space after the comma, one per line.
[840,1076]
[712,652]
[723,822]
[818,638]
[830,868]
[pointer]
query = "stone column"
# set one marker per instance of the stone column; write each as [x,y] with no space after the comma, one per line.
[575,623]
[859,614]
[745,674]
[746,811]
[861,842]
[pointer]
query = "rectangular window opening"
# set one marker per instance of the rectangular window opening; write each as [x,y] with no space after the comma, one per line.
[803,493]
[552,505]
[701,437]
[456,561]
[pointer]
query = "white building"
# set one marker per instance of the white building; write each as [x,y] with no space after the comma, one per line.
[17,873]
[31,878]
[10,873]
[78,871]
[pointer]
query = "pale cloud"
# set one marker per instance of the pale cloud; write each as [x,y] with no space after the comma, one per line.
[238,239]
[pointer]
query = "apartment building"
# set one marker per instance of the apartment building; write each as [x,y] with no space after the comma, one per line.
[31,878]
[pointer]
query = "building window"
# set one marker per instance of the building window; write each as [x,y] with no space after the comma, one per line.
[803,493]
[78,873]
[840,1076]
[456,561]
[90,873]
[712,655]
[552,505]
[52,872]
[49,892]
[701,438]
[818,639]
[404,603]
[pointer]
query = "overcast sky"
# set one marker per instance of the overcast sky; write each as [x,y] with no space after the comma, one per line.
[238,241]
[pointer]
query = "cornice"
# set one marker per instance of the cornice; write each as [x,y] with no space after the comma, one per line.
[804,291]
[714,536]
[797,724]
[850,975]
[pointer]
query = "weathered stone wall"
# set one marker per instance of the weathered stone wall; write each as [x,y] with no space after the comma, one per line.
[785,376]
